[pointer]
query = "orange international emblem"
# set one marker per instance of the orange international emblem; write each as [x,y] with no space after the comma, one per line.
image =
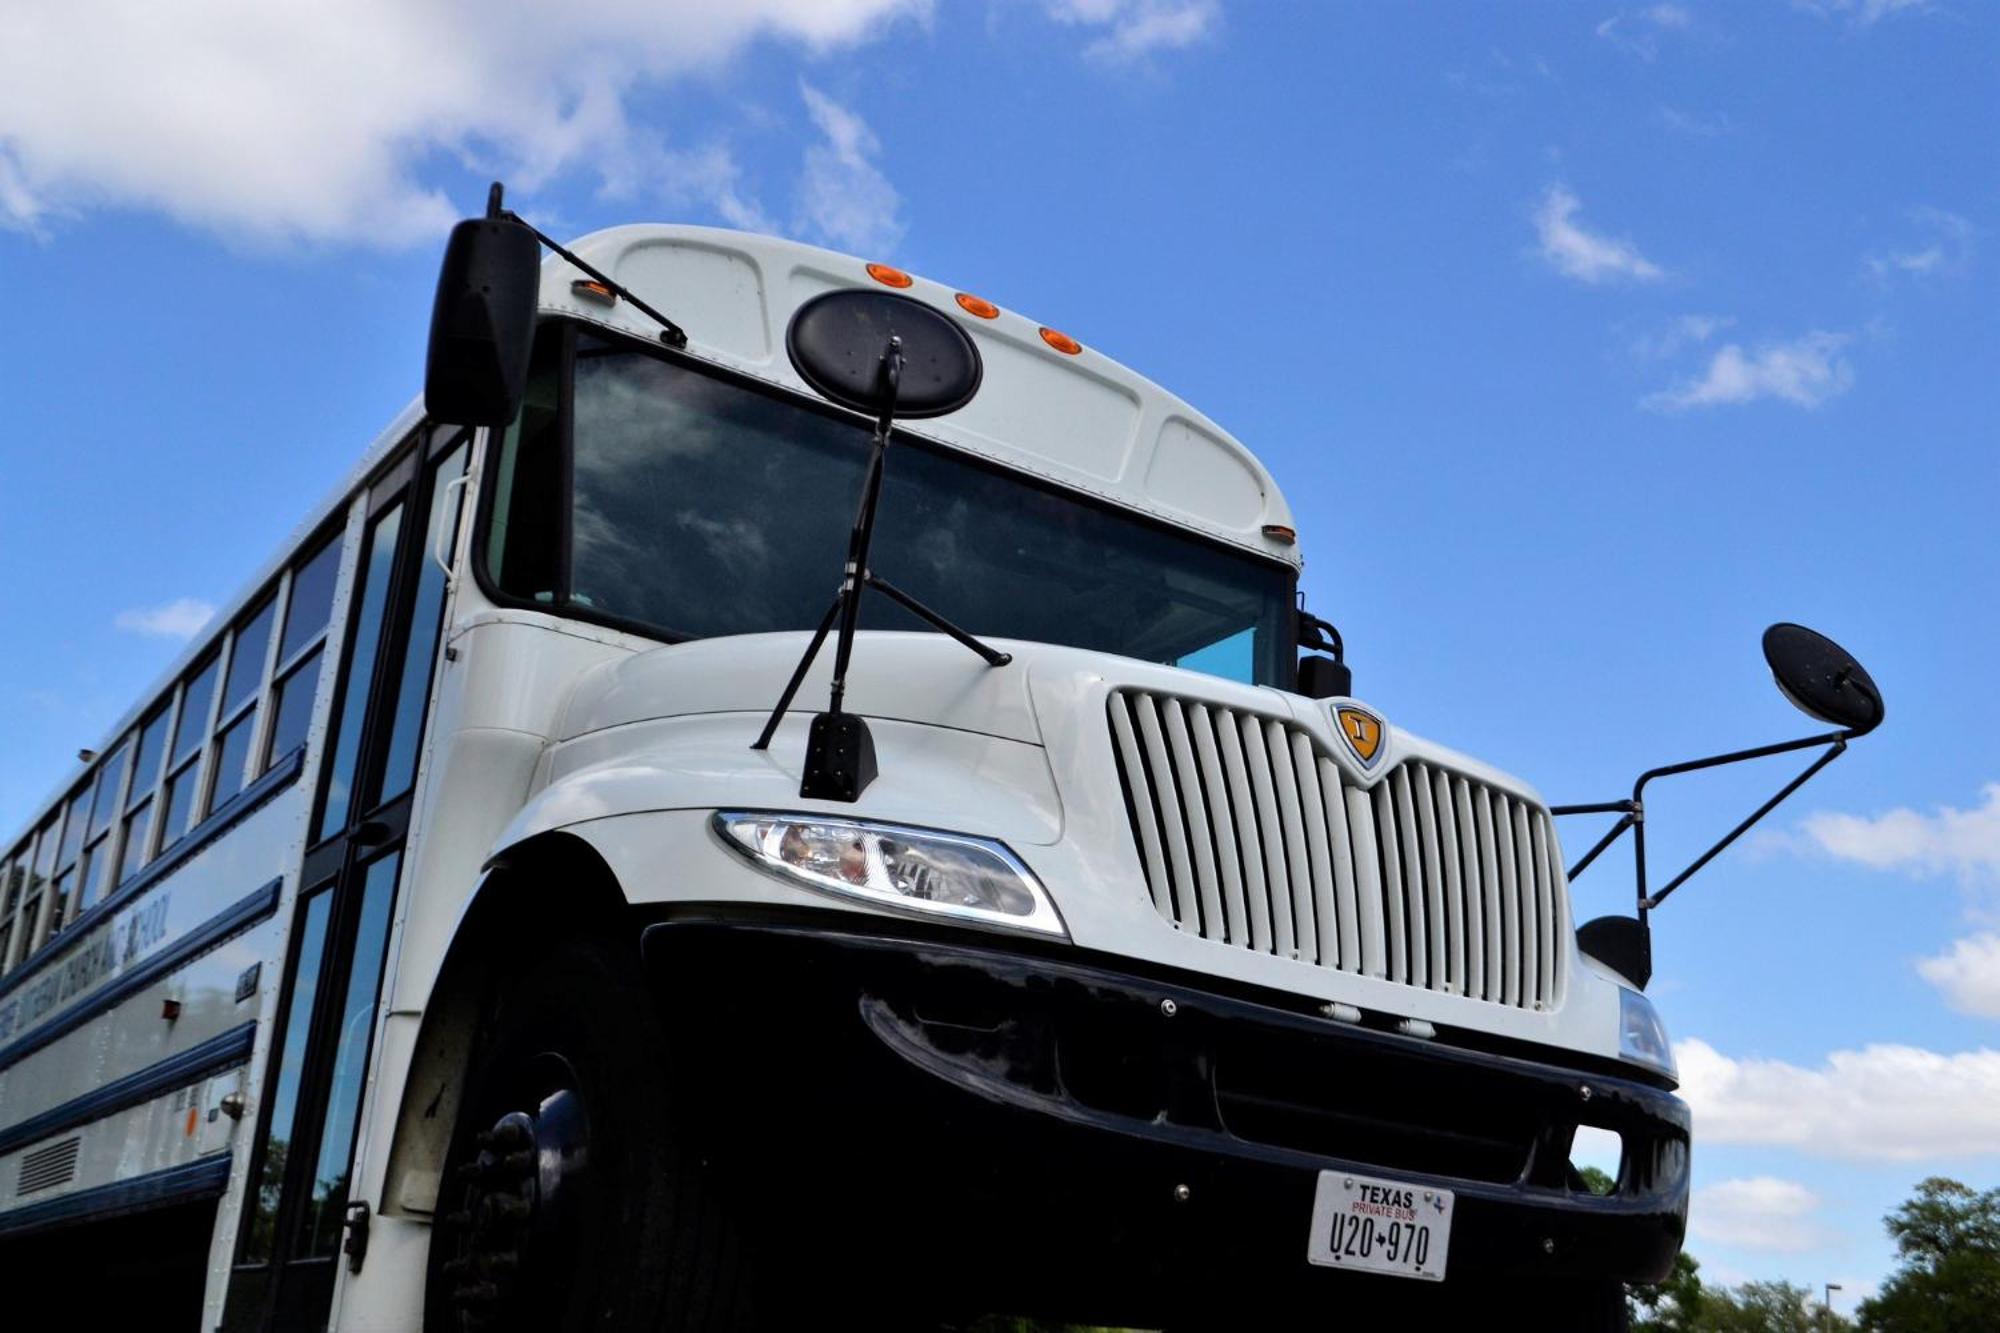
[1363,731]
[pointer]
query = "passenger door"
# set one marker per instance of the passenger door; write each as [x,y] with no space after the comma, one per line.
[296,1201]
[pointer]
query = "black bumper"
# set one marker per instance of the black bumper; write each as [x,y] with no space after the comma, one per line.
[1045,1127]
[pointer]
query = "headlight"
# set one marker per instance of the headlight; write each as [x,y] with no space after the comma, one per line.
[942,874]
[1642,1038]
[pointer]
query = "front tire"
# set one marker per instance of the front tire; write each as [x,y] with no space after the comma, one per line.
[567,1200]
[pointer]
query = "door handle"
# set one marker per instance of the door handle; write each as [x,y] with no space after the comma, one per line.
[446,531]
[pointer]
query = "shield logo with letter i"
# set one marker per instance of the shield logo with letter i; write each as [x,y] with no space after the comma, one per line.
[1362,730]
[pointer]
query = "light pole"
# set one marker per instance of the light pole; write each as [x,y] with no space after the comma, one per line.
[1826,1306]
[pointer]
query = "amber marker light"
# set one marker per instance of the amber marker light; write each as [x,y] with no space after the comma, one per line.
[1062,342]
[595,290]
[888,277]
[1280,534]
[973,305]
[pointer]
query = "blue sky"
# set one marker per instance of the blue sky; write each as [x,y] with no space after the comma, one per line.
[1585,339]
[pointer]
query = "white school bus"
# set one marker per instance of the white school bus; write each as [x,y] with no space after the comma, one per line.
[436,946]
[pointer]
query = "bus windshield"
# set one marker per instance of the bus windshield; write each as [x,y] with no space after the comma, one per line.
[702,506]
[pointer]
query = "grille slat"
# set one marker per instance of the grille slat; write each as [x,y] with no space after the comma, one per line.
[1139,798]
[1215,782]
[1251,836]
[1347,914]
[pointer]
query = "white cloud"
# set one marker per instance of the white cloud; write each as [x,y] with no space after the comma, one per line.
[1584,255]
[1805,372]
[1760,1213]
[1860,13]
[178,619]
[1951,841]
[1638,33]
[1969,975]
[1131,30]
[1943,248]
[1687,331]
[312,122]
[1701,127]
[843,196]
[1880,1103]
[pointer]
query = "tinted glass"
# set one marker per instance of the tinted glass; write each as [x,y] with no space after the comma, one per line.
[137,825]
[232,751]
[413,683]
[192,727]
[377,562]
[60,914]
[73,826]
[522,545]
[704,508]
[294,715]
[312,599]
[263,1195]
[96,864]
[45,851]
[104,811]
[152,745]
[179,806]
[246,658]
[325,1210]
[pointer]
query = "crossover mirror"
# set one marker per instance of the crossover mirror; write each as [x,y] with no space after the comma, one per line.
[483,322]
[1822,679]
[837,342]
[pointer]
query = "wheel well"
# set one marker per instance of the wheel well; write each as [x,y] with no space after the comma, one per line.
[551,887]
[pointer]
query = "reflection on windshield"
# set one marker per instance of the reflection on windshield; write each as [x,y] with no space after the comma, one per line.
[704,508]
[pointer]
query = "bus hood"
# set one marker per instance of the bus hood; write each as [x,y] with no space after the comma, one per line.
[905,677]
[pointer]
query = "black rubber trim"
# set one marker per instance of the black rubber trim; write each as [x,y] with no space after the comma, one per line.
[244,913]
[203,1179]
[232,813]
[176,1071]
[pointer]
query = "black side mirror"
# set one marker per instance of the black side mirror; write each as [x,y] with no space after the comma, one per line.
[483,323]
[1822,679]
[1324,678]
[1621,943]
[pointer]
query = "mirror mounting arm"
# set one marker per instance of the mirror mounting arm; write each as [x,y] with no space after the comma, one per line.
[1632,812]
[672,334]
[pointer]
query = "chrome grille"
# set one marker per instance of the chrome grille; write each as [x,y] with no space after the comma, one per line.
[1251,836]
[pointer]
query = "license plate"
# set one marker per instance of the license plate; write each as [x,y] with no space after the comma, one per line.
[1380,1226]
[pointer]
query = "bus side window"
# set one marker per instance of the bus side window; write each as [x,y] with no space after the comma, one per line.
[306,611]
[240,691]
[184,758]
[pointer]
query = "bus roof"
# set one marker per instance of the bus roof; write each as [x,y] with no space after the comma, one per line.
[1075,417]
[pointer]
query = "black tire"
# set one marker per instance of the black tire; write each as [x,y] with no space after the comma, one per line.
[567,1201]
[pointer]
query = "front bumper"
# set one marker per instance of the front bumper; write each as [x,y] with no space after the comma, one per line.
[1009,1124]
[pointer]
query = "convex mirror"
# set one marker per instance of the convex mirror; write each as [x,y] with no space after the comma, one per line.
[837,341]
[1822,679]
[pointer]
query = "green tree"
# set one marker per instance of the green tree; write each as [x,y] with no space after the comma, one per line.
[1671,1306]
[1948,1281]
[1766,1307]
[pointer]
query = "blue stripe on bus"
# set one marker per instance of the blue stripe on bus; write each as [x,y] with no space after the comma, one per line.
[230,814]
[245,913]
[176,1071]
[206,1178]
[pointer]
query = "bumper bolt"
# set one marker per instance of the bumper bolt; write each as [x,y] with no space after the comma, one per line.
[1168,1008]
[1182,1194]
[1584,1092]
[1548,1245]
